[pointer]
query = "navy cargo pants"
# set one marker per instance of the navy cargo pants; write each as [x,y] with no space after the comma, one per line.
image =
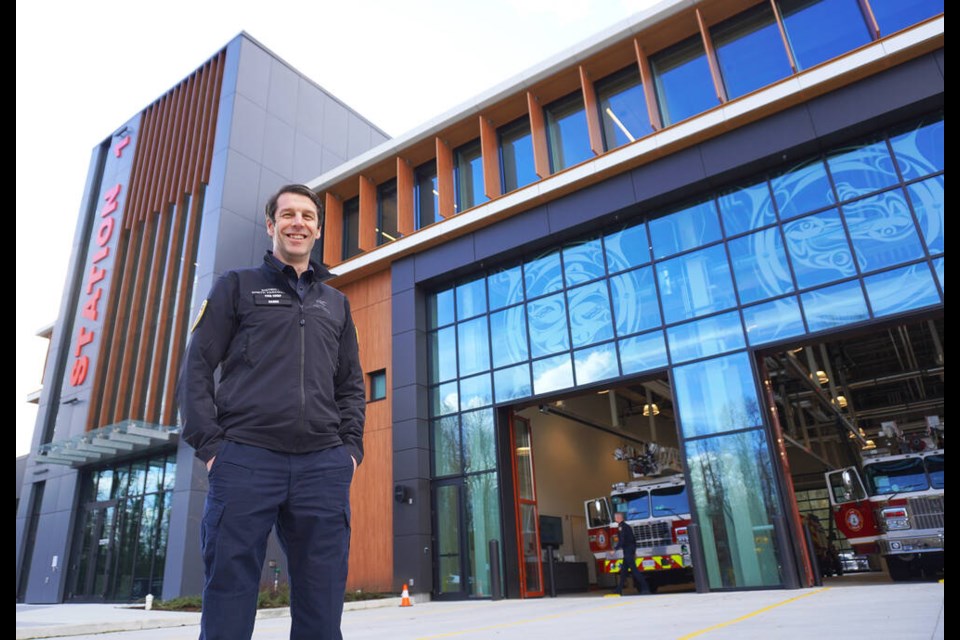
[307,497]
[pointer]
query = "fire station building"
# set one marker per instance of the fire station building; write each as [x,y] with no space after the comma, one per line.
[714,230]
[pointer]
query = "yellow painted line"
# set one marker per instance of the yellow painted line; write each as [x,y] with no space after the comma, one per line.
[751,614]
[518,623]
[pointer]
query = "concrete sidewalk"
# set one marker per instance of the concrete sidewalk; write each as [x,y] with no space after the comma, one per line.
[849,607]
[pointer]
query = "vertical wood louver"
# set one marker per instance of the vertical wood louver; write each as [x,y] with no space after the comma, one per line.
[156,257]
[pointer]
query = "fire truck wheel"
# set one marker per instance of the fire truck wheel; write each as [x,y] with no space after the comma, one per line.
[902,568]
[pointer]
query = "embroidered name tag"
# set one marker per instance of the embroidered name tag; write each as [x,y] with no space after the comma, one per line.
[271,299]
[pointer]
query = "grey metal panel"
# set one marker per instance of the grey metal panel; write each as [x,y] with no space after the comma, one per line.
[183,571]
[234,239]
[401,277]
[405,352]
[358,136]
[938,56]
[46,582]
[502,237]
[412,519]
[404,312]
[410,464]
[331,159]
[452,254]
[253,75]
[261,242]
[594,201]
[282,97]
[241,181]
[311,102]
[410,401]
[335,123]
[247,128]
[668,174]
[228,91]
[307,158]
[412,561]
[411,434]
[278,146]
[270,181]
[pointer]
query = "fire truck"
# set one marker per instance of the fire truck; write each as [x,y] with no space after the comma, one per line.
[658,510]
[892,505]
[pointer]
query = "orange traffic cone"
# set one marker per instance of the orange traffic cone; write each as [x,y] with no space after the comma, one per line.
[405,598]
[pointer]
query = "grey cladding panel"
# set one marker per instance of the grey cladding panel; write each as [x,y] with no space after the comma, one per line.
[278,147]
[247,128]
[284,86]
[253,75]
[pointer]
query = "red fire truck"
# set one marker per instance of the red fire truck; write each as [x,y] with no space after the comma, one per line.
[892,506]
[659,512]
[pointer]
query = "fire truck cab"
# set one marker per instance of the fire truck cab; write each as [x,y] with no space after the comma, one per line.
[659,512]
[893,507]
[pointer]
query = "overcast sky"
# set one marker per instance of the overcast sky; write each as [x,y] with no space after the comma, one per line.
[85,68]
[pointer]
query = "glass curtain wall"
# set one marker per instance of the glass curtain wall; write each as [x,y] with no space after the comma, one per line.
[750,51]
[426,195]
[818,30]
[682,80]
[351,228]
[842,238]
[567,136]
[894,15]
[387,212]
[623,108]
[516,155]
[468,161]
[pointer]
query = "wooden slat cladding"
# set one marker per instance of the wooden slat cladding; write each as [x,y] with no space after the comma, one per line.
[371,558]
[143,337]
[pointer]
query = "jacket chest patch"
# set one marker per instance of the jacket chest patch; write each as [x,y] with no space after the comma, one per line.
[271,298]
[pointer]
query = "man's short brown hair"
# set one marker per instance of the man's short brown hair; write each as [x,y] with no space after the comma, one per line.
[299,189]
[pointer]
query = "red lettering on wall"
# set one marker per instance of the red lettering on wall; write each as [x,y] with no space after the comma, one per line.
[101,255]
[105,231]
[84,338]
[118,148]
[96,275]
[79,372]
[111,199]
[90,308]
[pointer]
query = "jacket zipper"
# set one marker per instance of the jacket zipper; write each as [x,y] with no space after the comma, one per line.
[303,391]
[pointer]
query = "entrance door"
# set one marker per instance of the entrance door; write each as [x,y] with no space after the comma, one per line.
[451,579]
[96,545]
[525,494]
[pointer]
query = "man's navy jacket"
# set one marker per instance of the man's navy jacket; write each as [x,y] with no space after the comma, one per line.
[290,376]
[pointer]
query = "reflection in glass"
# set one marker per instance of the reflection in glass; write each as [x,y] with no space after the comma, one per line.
[547,318]
[927,200]
[590,317]
[683,81]
[802,189]
[427,197]
[894,15]
[567,135]
[760,266]
[882,231]
[440,309]
[516,155]
[834,306]
[773,321]
[483,525]
[543,274]
[444,399]
[938,266]
[819,30]
[387,212]
[716,395]
[596,363]
[351,228]
[508,330]
[735,495]
[861,170]
[643,353]
[746,208]
[505,287]
[685,229]
[919,150]
[901,290]
[105,485]
[750,51]
[552,374]
[707,337]
[468,175]
[818,249]
[627,248]
[623,108]
[446,446]
[582,261]
[473,351]
[635,301]
[512,382]
[479,444]
[443,355]
[448,539]
[695,284]
[475,392]
[471,298]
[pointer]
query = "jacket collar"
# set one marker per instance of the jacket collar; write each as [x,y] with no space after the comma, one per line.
[320,273]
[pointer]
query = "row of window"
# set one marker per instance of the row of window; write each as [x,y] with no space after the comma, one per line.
[750,53]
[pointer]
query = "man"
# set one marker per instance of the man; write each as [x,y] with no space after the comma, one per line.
[627,542]
[281,432]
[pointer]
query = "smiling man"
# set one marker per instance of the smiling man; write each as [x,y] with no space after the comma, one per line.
[281,434]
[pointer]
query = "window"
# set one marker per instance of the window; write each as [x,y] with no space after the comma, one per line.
[378,385]
[516,155]
[351,228]
[750,51]
[387,212]
[426,195]
[894,15]
[567,134]
[683,81]
[468,160]
[623,108]
[819,30]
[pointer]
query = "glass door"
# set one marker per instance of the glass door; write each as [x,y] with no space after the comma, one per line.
[96,547]
[528,531]
[450,579]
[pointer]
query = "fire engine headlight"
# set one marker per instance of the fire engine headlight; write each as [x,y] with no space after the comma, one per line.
[895,546]
[895,518]
[894,524]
